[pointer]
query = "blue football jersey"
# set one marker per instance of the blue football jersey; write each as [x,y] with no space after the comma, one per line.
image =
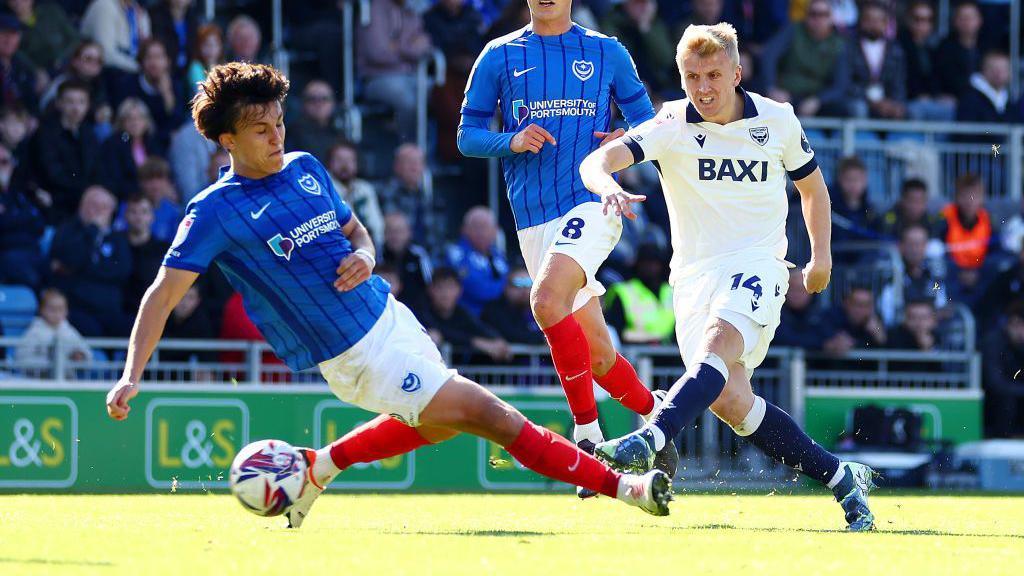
[279,241]
[563,83]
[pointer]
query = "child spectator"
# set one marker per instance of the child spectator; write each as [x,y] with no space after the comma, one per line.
[37,346]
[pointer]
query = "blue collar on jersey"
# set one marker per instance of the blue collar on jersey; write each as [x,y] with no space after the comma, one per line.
[749,110]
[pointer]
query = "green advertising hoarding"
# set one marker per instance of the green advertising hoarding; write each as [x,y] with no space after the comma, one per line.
[184,437]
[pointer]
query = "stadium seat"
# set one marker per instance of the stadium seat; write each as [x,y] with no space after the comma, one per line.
[17,308]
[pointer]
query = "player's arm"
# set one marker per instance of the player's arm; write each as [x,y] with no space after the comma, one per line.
[596,172]
[163,295]
[817,210]
[357,267]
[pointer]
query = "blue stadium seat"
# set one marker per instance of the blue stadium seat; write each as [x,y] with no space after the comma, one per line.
[17,308]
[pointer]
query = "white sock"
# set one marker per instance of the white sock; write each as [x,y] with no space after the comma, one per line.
[590,431]
[623,491]
[837,477]
[324,469]
[659,437]
[752,421]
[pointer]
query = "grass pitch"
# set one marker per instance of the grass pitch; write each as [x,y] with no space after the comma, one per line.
[480,535]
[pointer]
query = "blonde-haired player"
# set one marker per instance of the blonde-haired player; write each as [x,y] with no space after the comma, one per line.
[724,155]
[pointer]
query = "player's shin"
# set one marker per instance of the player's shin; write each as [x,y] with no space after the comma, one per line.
[690,396]
[623,384]
[547,453]
[570,353]
[776,434]
[382,437]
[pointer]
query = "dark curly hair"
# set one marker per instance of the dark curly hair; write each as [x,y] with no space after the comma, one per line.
[233,93]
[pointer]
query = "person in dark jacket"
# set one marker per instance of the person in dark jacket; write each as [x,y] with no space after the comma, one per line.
[147,251]
[959,54]
[802,324]
[988,97]
[878,78]
[917,39]
[1003,351]
[90,264]
[175,23]
[21,226]
[411,260]
[128,148]
[447,321]
[852,217]
[17,73]
[154,85]
[511,315]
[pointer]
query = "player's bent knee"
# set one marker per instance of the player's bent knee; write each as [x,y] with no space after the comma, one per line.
[732,405]
[548,306]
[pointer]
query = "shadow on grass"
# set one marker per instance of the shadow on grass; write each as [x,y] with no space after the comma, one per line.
[53,562]
[824,531]
[489,533]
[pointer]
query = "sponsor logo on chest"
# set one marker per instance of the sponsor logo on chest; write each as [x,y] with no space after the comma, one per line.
[733,170]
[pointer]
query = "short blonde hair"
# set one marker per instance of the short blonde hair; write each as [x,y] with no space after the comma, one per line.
[707,41]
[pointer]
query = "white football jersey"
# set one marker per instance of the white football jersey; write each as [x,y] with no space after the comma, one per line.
[725,186]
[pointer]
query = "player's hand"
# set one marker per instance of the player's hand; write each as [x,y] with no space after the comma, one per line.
[622,202]
[607,137]
[531,139]
[118,397]
[816,275]
[353,271]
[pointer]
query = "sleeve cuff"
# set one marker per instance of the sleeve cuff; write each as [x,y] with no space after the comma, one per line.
[467,111]
[804,171]
[186,266]
[634,147]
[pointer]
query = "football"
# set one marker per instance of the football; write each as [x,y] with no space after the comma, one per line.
[267,476]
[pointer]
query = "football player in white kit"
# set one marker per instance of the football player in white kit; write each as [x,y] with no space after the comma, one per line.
[724,155]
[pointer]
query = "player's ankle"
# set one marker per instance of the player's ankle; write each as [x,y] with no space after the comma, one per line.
[324,468]
[589,431]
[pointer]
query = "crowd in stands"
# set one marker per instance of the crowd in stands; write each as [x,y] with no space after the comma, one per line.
[98,159]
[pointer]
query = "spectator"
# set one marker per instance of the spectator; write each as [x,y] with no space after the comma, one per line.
[47,33]
[37,347]
[405,193]
[343,166]
[390,275]
[154,86]
[455,27]
[66,151]
[175,24]
[18,76]
[316,129]
[756,21]
[478,260]
[641,309]
[920,283]
[147,252]
[188,321]
[447,321]
[856,325]
[21,226]
[389,49]
[128,148]
[190,160]
[16,126]
[410,260]
[86,66]
[511,315]
[244,40]
[852,217]
[207,53]
[877,68]
[514,15]
[751,81]
[967,229]
[806,64]
[119,26]
[90,264]
[236,325]
[917,39]
[155,184]
[1003,351]
[988,97]
[1008,286]
[802,324]
[959,55]
[918,333]
[648,39]
[910,209]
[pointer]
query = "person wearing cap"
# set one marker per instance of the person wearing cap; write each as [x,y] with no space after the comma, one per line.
[641,308]
[17,74]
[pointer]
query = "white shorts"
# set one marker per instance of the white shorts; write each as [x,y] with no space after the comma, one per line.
[583,234]
[395,369]
[746,292]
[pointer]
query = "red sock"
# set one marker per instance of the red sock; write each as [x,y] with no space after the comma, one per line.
[625,386]
[571,354]
[382,437]
[547,453]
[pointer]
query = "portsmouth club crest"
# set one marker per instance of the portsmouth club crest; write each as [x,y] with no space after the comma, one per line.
[309,184]
[282,246]
[582,69]
[759,135]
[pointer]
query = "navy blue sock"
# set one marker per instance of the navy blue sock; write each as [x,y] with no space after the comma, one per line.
[779,437]
[690,396]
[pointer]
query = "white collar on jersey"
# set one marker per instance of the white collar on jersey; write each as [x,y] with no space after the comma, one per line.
[749,110]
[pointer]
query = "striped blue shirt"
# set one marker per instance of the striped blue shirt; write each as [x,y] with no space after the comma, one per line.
[563,83]
[279,241]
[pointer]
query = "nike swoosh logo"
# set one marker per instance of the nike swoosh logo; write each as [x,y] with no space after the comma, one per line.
[256,215]
[571,378]
[564,243]
[579,456]
[518,73]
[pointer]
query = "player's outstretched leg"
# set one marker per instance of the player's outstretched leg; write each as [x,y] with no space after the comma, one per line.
[468,407]
[776,434]
[380,438]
